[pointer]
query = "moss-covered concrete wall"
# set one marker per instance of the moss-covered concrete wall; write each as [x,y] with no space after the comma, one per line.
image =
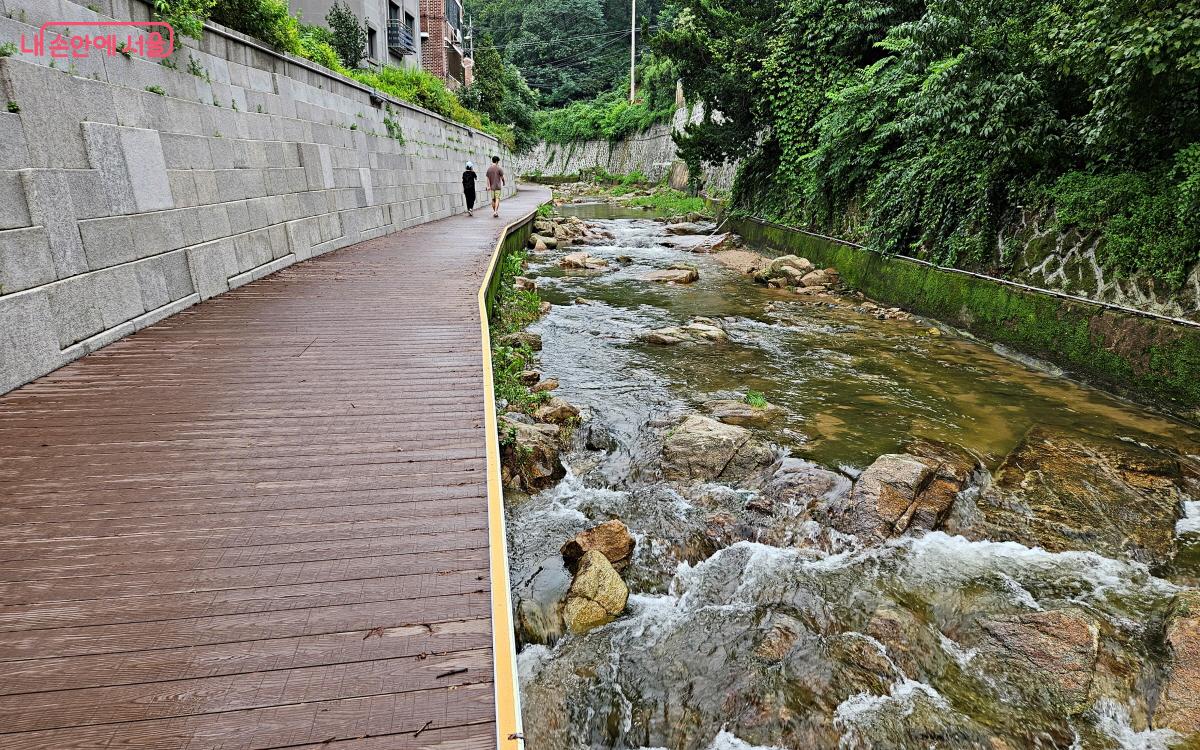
[1149,359]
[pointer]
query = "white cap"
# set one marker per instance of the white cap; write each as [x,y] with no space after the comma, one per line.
[470,165]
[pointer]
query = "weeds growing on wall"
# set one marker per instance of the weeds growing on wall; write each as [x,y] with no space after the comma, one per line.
[270,21]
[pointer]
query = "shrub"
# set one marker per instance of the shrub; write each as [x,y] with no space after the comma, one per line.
[347,35]
[268,20]
[315,46]
[187,17]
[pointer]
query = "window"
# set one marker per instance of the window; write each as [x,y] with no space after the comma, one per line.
[371,43]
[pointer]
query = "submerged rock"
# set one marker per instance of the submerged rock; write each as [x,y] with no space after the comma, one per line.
[1068,491]
[742,414]
[529,455]
[802,483]
[541,602]
[1059,648]
[782,634]
[611,538]
[597,595]
[703,449]
[905,491]
[1179,702]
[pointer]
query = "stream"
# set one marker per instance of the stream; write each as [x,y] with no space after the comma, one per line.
[1030,613]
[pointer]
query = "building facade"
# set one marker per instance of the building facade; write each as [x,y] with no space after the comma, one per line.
[443,39]
[393,27]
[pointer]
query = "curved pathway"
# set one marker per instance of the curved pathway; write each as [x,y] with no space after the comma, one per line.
[262,522]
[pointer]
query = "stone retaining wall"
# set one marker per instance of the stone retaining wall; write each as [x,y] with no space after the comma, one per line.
[1149,359]
[652,153]
[130,189]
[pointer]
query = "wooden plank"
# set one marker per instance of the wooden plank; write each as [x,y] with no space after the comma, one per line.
[96,670]
[263,522]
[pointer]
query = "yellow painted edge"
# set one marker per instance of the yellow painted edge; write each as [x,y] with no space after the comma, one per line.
[504,645]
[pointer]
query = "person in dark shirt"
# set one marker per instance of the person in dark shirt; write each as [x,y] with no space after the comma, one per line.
[469,177]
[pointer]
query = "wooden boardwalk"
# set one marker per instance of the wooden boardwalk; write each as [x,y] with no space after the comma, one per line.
[262,522]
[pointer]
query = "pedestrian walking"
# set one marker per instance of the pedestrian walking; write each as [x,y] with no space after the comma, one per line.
[496,181]
[469,178]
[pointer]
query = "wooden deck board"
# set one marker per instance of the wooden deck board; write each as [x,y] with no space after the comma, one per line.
[262,522]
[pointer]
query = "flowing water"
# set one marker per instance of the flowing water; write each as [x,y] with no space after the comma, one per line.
[781,632]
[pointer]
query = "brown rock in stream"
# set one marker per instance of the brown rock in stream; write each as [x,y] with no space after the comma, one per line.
[1179,702]
[597,595]
[1059,646]
[529,455]
[611,538]
[742,414]
[557,411]
[703,449]
[1063,491]
[905,491]
[674,275]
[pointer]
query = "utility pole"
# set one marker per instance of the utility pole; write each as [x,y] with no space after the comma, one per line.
[471,36]
[632,51]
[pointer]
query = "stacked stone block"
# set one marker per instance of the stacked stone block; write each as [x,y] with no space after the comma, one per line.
[130,190]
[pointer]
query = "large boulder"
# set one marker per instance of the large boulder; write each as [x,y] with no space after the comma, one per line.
[791,265]
[1063,490]
[905,491]
[529,455]
[703,449]
[542,242]
[677,274]
[611,538]
[582,261]
[826,278]
[1057,648]
[597,595]
[522,338]
[698,329]
[557,411]
[1179,702]
[741,413]
[523,284]
[690,227]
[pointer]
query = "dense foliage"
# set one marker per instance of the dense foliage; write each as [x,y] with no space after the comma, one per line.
[500,92]
[921,125]
[611,116]
[568,50]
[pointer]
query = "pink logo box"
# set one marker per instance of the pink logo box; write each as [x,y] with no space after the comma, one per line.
[111,37]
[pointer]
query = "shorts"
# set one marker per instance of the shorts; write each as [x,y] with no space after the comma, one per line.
[495,194]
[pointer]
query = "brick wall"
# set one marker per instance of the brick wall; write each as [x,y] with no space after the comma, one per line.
[433,47]
[120,206]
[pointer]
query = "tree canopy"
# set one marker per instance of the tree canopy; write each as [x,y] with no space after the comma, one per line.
[919,125]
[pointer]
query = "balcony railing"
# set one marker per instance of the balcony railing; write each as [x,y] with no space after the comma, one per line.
[400,38]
